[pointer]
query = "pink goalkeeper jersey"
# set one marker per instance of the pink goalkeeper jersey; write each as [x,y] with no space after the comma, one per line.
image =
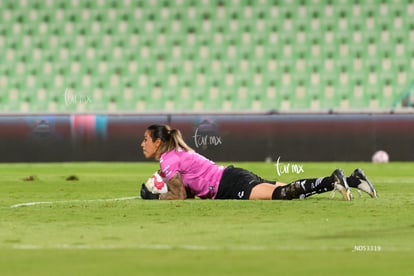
[199,174]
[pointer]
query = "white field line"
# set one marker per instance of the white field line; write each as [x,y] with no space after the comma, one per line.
[138,246]
[72,201]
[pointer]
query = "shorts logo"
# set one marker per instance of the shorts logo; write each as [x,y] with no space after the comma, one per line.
[240,194]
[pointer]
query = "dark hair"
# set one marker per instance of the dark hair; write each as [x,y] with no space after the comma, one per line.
[171,138]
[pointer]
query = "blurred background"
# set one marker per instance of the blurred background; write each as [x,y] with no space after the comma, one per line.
[243,79]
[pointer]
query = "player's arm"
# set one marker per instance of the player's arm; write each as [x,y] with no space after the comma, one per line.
[176,189]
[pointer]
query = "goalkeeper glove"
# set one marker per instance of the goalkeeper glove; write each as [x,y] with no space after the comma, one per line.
[146,194]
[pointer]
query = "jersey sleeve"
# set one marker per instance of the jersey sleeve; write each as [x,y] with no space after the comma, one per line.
[169,165]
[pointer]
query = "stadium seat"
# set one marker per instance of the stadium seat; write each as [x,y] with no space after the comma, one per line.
[216,56]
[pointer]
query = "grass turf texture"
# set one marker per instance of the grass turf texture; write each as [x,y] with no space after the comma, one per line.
[77,233]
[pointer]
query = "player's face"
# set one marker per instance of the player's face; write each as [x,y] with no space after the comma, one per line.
[149,148]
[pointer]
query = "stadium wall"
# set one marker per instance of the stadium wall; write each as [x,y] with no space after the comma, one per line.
[221,137]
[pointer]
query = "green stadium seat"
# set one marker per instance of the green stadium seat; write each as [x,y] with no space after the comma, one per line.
[233,56]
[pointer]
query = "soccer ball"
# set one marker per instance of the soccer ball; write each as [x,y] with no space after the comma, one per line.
[156,184]
[380,156]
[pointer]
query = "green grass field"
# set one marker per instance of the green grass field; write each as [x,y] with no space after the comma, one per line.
[95,226]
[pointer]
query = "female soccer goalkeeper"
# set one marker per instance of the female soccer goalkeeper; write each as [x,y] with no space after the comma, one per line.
[190,174]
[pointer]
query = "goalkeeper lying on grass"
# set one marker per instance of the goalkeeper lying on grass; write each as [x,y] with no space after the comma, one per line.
[190,174]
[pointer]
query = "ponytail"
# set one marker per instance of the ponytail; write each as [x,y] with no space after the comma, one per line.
[177,141]
[171,139]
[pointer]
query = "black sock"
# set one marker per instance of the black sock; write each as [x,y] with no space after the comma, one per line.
[318,185]
[304,188]
[288,192]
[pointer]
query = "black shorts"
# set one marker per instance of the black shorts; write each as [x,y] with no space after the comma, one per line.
[237,183]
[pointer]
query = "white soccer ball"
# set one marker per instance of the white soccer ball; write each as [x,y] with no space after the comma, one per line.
[156,184]
[380,156]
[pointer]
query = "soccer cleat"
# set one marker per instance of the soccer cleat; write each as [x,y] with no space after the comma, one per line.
[365,185]
[341,185]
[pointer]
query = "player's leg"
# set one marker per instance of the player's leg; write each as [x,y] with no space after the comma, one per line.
[264,190]
[307,187]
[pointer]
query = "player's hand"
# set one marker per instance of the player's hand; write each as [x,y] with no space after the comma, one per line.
[146,194]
